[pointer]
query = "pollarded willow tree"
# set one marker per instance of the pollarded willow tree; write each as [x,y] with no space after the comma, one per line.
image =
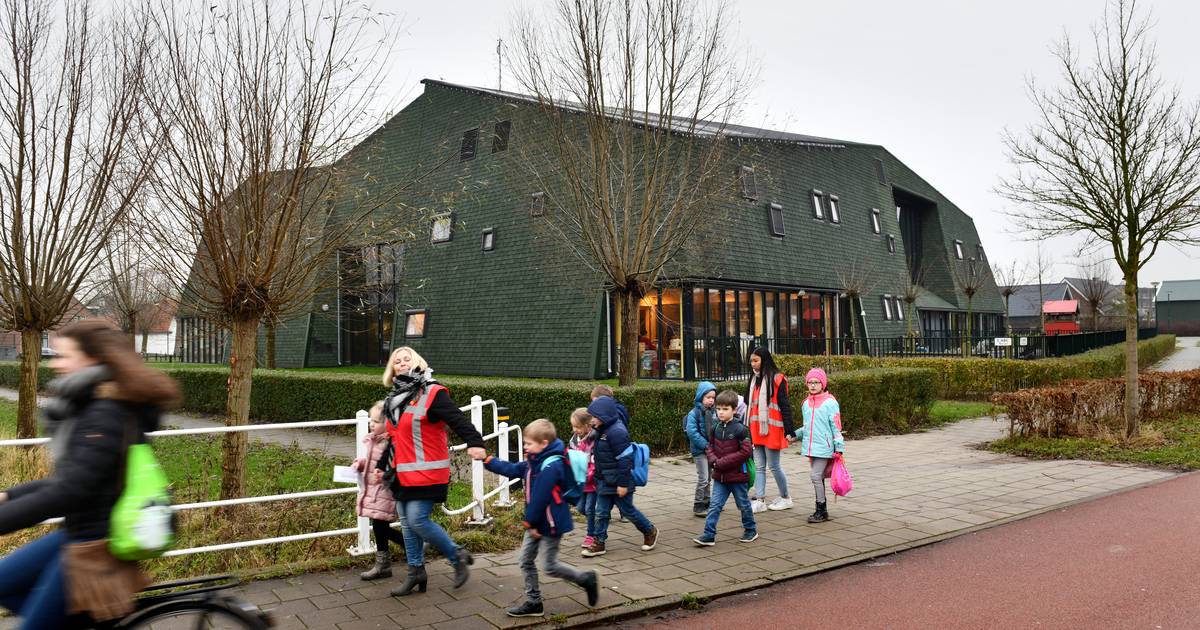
[1008,279]
[1114,155]
[71,84]
[638,96]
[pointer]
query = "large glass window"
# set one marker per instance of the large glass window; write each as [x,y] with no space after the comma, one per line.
[660,334]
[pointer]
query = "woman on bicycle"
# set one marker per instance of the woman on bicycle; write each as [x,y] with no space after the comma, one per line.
[104,400]
[418,411]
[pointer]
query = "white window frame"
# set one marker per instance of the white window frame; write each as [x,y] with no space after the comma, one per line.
[772,209]
[409,318]
[835,210]
[875,223]
[446,219]
[887,307]
[958,250]
[818,205]
[899,309]
[748,183]
[891,243]
[489,240]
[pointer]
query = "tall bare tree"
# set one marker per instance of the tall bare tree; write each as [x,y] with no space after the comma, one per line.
[70,87]
[130,280]
[911,289]
[1094,287]
[1041,266]
[639,95]
[1008,279]
[970,276]
[856,278]
[1114,155]
[258,101]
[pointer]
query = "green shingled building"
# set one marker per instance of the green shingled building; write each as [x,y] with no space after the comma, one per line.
[481,289]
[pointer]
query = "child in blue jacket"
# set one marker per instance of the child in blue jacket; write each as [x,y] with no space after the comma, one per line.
[547,476]
[697,425]
[614,475]
[821,436]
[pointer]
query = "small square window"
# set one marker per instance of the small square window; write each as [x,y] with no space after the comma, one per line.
[891,244]
[835,211]
[469,140]
[818,205]
[899,309]
[489,239]
[537,204]
[500,136]
[414,323]
[887,307]
[875,221]
[443,228]
[958,250]
[748,182]
[776,216]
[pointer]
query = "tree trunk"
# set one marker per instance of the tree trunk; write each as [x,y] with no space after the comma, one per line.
[132,332]
[145,341]
[1007,317]
[627,370]
[1131,356]
[970,319]
[27,386]
[270,341]
[854,325]
[237,406]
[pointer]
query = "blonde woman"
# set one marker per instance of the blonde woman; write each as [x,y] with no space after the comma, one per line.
[418,411]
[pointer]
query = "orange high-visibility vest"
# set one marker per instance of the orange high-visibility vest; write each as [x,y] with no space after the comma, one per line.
[420,448]
[774,438]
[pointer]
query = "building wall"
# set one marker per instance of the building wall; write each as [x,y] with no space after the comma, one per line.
[1179,318]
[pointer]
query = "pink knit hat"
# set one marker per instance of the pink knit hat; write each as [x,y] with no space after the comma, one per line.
[818,374]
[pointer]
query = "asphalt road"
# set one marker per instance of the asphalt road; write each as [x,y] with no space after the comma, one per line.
[1130,560]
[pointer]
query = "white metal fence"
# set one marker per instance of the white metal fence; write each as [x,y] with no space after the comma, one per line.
[364,545]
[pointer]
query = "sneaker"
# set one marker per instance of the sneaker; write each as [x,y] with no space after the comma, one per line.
[782,503]
[588,540]
[597,549]
[591,584]
[758,505]
[704,541]
[650,539]
[527,609]
[748,536]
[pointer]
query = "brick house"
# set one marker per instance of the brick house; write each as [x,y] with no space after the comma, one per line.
[483,290]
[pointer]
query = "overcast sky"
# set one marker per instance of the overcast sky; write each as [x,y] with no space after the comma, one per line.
[935,82]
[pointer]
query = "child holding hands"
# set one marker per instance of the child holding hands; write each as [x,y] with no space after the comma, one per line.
[375,499]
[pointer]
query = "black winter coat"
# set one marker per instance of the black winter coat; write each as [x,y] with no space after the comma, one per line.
[728,450]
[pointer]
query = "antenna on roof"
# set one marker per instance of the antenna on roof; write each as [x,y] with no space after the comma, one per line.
[499,66]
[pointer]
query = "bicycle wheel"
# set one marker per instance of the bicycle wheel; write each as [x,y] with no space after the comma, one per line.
[225,613]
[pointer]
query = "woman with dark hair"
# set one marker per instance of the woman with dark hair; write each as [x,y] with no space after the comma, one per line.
[105,399]
[770,420]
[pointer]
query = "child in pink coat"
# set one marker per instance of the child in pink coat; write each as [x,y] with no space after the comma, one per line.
[375,499]
[583,438]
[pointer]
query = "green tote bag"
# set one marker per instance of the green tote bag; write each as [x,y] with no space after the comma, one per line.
[142,525]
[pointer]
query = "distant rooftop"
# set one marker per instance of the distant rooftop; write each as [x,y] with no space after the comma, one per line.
[1179,291]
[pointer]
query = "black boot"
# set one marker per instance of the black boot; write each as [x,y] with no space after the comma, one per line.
[821,515]
[462,571]
[591,584]
[382,568]
[416,579]
[700,508]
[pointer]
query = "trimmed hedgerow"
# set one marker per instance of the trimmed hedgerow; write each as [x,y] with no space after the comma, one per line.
[979,378]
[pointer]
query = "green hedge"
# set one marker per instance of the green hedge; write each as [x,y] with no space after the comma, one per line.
[873,401]
[979,378]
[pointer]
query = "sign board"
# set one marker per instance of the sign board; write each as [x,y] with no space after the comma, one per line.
[1002,342]
[1024,341]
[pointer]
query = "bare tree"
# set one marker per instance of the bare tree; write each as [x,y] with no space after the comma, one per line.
[912,288]
[1008,279]
[856,279]
[1094,287]
[970,276]
[259,102]
[130,280]
[70,87]
[1114,155]
[1042,265]
[638,96]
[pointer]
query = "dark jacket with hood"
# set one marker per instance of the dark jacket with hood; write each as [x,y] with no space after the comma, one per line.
[729,448]
[612,440]
[700,420]
[545,509]
[91,429]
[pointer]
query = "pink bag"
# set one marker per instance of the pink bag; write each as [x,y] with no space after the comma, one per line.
[840,480]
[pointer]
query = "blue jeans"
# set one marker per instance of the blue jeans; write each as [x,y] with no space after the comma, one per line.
[768,459]
[604,506]
[418,530]
[720,494]
[587,507]
[32,585]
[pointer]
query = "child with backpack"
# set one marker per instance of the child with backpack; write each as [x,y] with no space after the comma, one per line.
[549,478]
[615,457]
[375,499]
[729,451]
[696,426]
[583,439]
[821,435]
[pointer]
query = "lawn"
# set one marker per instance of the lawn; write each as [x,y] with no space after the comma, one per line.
[946,411]
[1173,443]
[194,463]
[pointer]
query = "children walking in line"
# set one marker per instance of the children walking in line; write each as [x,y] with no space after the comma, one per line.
[547,475]
[770,424]
[583,438]
[375,499]
[728,451]
[821,435]
[614,478]
[696,425]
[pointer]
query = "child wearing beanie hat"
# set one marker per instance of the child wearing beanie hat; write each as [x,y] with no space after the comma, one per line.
[821,435]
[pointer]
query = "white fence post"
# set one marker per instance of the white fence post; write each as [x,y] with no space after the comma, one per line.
[478,514]
[502,453]
[365,544]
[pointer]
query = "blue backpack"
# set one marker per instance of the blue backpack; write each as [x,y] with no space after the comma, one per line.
[578,460]
[641,461]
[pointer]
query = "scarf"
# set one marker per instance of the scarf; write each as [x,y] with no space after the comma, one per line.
[67,391]
[762,406]
[404,387]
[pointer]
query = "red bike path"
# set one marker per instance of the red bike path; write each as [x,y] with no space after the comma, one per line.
[1130,560]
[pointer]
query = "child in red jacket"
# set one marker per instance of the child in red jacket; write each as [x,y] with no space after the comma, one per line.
[728,451]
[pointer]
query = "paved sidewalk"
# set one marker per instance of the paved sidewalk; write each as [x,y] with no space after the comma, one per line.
[910,490]
[1185,357]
